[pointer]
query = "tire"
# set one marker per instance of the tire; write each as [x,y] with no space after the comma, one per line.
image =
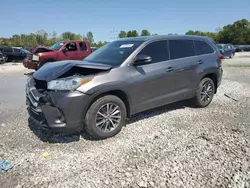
[197,100]
[93,117]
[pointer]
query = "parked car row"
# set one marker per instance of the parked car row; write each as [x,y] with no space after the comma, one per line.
[3,58]
[123,78]
[227,50]
[13,54]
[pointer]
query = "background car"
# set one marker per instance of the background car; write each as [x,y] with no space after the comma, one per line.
[14,54]
[227,50]
[3,58]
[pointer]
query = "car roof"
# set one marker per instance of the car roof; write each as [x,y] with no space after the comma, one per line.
[147,38]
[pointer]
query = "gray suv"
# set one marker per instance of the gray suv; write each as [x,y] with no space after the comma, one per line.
[122,78]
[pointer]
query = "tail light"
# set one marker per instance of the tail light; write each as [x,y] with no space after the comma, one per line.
[220,57]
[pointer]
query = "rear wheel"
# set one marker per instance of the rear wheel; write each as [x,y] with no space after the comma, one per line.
[205,93]
[105,117]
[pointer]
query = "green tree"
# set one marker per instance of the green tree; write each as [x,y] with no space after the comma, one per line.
[122,34]
[68,35]
[145,32]
[90,37]
[132,33]
[78,37]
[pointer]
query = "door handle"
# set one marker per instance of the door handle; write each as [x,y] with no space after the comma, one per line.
[169,69]
[200,62]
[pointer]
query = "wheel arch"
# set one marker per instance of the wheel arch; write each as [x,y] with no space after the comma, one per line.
[116,92]
[214,78]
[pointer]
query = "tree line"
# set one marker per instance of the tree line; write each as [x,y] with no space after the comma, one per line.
[235,33]
[43,38]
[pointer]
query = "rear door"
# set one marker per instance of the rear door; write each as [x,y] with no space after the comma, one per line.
[182,52]
[84,51]
[206,54]
[153,83]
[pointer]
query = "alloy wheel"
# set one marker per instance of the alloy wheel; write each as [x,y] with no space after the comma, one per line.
[108,117]
[206,92]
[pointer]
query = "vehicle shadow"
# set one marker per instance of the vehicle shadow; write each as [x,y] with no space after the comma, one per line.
[48,136]
[158,111]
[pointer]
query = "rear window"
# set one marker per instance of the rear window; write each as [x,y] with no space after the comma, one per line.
[203,48]
[83,46]
[181,48]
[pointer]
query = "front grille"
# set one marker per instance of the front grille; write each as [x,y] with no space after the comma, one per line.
[40,85]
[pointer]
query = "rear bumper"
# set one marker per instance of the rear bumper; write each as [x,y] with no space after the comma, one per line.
[29,64]
[57,111]
[219,76]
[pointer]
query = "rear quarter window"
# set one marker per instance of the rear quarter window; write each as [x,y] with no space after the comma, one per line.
[202,47]
[181,48]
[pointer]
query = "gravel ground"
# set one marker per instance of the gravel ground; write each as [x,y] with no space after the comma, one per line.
[172,146]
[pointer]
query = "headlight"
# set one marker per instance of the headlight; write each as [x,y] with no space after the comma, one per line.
[35,58]
[70,83]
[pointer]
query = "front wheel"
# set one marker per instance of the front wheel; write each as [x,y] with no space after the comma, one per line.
[204,93]
[105,117]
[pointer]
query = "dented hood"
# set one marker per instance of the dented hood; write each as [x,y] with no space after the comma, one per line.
[59,69]
[41,49]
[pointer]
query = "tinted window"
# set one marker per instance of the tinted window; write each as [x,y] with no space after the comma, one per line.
[17,51]
[71,46]
[7,50]
[158,51]
[204,48]
[83,46]
[181,48]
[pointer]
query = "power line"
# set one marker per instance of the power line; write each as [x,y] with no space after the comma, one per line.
[113,34]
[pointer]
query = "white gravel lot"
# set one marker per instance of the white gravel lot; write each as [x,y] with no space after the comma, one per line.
[172,146]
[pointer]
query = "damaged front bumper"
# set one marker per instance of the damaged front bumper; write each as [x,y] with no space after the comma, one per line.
[27,63]
[58,111]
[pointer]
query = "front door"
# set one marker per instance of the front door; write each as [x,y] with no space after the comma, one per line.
[72,52]
[153,83]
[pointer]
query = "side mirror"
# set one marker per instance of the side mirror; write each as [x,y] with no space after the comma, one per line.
[142,59]
[65,50]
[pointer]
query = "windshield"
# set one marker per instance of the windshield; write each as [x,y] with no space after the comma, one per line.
[57,46]
[114,53]
[26,51]
[219,46]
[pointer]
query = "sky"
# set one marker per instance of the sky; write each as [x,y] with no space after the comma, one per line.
[105,18]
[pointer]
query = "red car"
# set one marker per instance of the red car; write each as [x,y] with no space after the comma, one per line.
[64,50]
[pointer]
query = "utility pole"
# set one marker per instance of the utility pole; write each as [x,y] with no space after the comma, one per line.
[113,34]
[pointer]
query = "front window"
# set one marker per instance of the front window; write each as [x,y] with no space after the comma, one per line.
[57,46]
[114,53]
